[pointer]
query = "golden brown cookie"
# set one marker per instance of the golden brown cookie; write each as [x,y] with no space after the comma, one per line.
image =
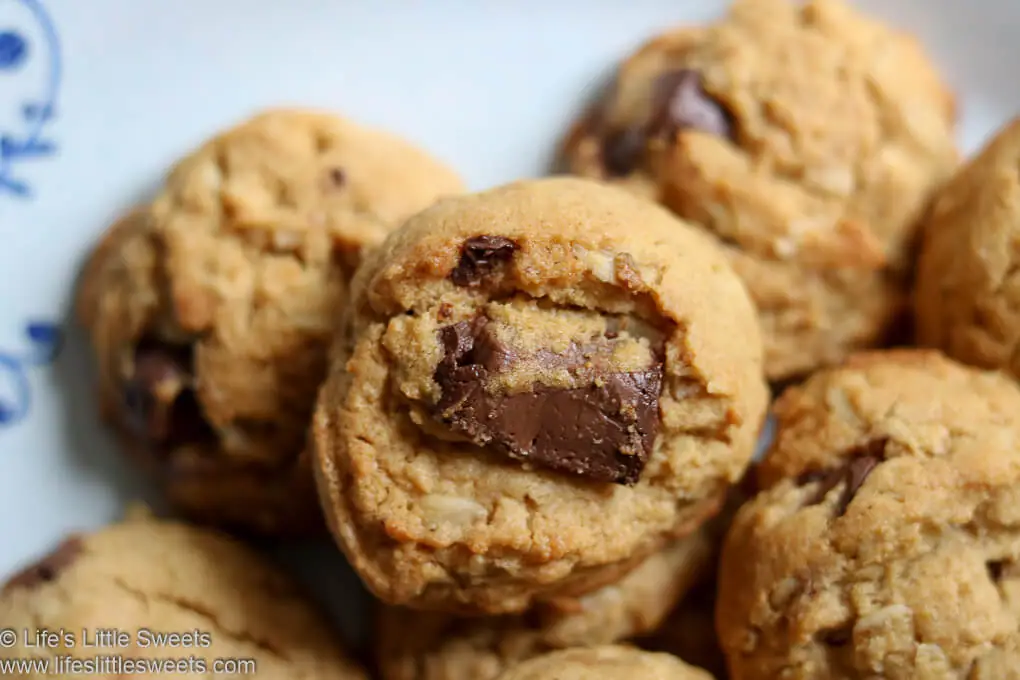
[211,312]
[537,386]
[165,592]
[431,646]
[887,539]
[604,663]
[967,299]
[807,138]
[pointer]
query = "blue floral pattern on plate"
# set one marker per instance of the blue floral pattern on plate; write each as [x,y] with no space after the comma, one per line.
[33,68]
[30,74]
[42,342]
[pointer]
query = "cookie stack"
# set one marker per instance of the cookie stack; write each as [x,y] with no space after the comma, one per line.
[527,415]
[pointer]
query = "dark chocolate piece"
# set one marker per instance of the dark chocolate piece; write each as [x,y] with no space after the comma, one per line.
[837,637]
[681,102]
[828,480]
[479,257]
[863,460]
[159,401]
[622,151]
[857,472]
[48,568]
[338,177]
[603,430]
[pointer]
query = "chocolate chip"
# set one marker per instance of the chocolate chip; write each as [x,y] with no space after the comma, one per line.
[479,257]
[680,102]
[602,430]
[337,176]
[48,568]
[458,341]
[160,406]
[622,151]
[862,460]
[857,472]
[837,637]
[996,569]
[828,480]
[160,374]
[853,475]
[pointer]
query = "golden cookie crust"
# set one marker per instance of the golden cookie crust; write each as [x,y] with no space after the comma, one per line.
[432,646]
[886,539]
[166,577]
[211,311]
[604,663]
[433,522]
[967,299]
[807,138]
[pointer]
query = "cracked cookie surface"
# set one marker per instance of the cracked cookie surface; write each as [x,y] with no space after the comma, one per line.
[166,577]
[967,299]
[807,138]
[432,646]
[886,541]
[604,663]
[537,386]
[211,311]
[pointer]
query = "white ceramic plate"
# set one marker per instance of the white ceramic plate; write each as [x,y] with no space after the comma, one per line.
[98,97]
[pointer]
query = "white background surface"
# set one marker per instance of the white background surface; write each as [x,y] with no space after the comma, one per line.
[487,85]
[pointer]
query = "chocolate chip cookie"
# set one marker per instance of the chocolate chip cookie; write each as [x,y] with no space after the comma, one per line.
[146,578]
[211,311]
[605,663]
[432,646]
[535,388]
[804,136]
[968,280]
[887,539]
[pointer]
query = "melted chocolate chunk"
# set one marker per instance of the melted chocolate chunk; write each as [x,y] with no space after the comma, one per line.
[479,257]
[622,151]
[48,568]
[680,102]
[603,430]
[159,401]
[864,459]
